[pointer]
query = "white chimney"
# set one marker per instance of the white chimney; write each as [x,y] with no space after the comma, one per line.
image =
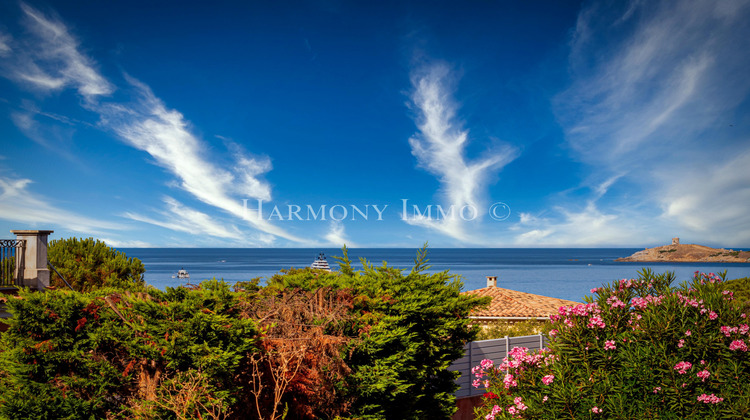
[491,281]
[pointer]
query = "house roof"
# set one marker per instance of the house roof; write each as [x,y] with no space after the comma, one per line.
[508,303]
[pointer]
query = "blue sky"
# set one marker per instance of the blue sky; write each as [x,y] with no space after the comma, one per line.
[323,123]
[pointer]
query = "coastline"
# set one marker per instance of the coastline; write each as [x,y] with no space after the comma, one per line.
[688,253]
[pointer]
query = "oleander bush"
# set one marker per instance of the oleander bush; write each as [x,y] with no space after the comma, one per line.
[639,349]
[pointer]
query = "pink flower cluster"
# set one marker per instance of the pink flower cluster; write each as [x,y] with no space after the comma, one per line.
[683,367]
[704,374]
[709,399]
[548,379]
[596,410]
[728,331]
[708,278]
[632,283]
[495,411]
[610,345]
[579,310]
[509,381]
[480,371]
[738,345]
[688,301]
[596,321]
[615,302]
[642,303]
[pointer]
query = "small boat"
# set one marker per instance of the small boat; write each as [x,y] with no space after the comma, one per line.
[182,274]
[320,263]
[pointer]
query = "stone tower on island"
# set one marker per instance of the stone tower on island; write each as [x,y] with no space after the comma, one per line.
[675,241]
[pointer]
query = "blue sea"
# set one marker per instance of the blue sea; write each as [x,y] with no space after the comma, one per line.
[566,273]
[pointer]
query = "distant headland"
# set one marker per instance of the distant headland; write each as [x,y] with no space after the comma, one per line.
[677,252]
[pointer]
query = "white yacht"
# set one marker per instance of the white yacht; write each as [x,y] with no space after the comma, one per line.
[320,263]
[182,274]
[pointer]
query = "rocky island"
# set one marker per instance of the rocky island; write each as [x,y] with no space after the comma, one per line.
[677,252]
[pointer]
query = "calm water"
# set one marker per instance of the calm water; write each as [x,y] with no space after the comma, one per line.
[567,273]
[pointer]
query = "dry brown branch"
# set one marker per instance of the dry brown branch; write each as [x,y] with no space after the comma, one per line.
[301,358]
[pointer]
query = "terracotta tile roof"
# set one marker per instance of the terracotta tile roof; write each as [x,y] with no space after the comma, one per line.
[511,303]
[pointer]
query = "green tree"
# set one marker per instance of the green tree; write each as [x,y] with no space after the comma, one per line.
[89,264]
[409,328]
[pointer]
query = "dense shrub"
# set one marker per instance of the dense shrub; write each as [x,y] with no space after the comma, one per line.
[641,350]
[407,329]
[89,264]
[75,355]
[741,290]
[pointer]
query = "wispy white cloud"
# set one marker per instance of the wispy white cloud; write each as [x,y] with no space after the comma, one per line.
[655,87]
[181,218]
[712,202]
[164,134]
[19,204]
[52,60]
[440,148]
[336,236]
[581,226]
[5,40]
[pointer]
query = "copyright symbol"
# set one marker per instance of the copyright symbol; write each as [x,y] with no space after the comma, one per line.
[499,211]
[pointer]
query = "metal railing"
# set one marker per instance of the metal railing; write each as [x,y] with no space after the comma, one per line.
[11,262]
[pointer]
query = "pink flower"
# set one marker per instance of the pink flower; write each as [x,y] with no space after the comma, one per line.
[512,410]
[703,362]
[744,329]
[712,315]
[548,379]
[596,410]
[594,290]
[495,411]
[681,343]
[727,331]
[688,333]
[596,321]
[508,381]
[615,302]
[704,374]
[486,364]
[683,367]
[545,399]
[553,333]
[738,345]
[518,401]
[657,389]
[609,345]
[709,399]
